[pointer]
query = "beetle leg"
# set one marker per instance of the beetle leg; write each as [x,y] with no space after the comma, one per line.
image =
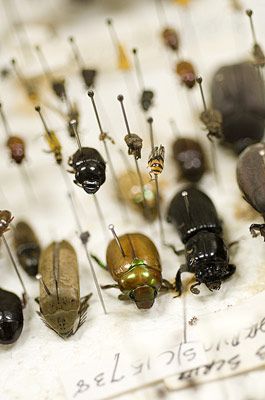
[177,252]
[37,299]
[230,272]
[98,261]
[71,171]
[256,229]
[123,297]
[178,284]
[193,288]
[166,285]
[109,287]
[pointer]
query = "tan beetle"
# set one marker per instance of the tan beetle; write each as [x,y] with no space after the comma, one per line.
[61,307]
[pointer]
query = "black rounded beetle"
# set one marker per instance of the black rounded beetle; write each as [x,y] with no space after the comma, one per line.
[238,93]
[11,317]
[196,220]
[251,181]
[89,169]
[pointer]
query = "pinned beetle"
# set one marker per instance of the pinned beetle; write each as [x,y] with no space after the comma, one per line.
[134,263]
[11,317]
[251,181]
[190,159]
[89,169]
[195,218]
[27,247]
[238,93]
[61,308]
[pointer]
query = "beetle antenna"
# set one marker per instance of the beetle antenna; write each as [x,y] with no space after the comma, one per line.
[76,51]
[39,278]
[199,81]
[249,14]
[38,109]
[138,68]
[111,228]
[5,122]
[73,124]
[25,295]
[123,61]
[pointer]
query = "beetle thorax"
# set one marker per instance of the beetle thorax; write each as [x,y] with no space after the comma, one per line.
[140,274]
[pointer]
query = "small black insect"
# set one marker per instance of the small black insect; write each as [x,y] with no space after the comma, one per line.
[11,317]
[196,220]
[89,76]
[238,93]
[89,169]
[146,100]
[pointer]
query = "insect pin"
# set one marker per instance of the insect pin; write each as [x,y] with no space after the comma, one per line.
[250,179]
[28,85]
[134,263]
[169,34]
[123,62]
[88,166]
[211,118]
[156,161]
[11,306]
[147,95]
[88,75]
[57,85]
[61,307]
[27,247]
[257,50]
[15,144]
[238,92]
[51,139]
[195,218]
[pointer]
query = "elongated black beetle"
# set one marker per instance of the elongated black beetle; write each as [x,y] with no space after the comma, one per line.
[251,181]
[196,220]
[238,92]
[11,317]
[89,169]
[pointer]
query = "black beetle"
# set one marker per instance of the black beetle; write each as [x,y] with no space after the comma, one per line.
[11,317]
[238,93]
[196,220]
[89,169]
[146,100]
[251,181]
[190,159]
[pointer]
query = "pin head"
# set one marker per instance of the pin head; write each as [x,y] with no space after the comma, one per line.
[120,97]
[109,21]
[249,12]
[90,93]
[37,108]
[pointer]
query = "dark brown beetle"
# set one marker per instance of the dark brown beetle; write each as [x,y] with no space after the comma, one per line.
[15,144]
[27,247]
[190,159]
[238,93]
[187,73]
[134,263]
[251,181]
[171,38]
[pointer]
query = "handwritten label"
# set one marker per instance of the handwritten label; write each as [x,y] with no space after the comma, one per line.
[121,373]
[235,343]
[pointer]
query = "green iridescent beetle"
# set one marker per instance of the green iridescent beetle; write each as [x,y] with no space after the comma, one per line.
[134,263]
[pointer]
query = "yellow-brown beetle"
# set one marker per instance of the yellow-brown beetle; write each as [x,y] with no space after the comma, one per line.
[61,308]
[134,263]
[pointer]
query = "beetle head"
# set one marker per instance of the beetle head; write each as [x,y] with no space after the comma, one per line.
[143,296]
[91,177]
[212,274]
[10,329]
